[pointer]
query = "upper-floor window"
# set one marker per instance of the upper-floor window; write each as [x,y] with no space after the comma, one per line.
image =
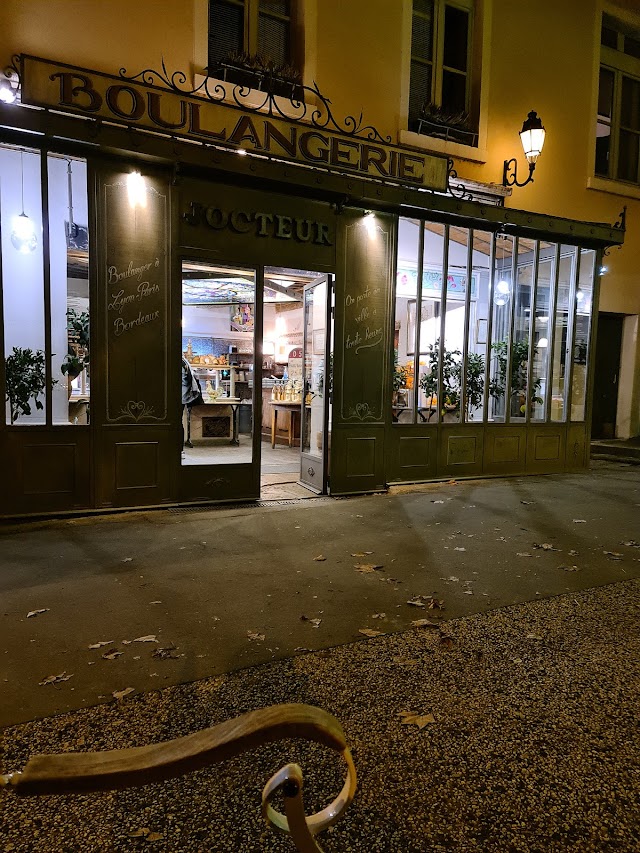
[240,30]
[618,128]
[440,95]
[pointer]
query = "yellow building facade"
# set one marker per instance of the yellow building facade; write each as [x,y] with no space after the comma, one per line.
[439,81]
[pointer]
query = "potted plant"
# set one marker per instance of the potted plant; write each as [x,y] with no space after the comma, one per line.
[254,71]
[77,357]
[399,376]
[436,121]
[25,381]
[452,381]
[519,375]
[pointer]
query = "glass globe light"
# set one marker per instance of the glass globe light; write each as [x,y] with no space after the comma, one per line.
[502,293]
[23,234]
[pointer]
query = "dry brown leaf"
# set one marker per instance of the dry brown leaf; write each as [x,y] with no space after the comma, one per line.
[416,602]
[139,833]
[369,632]
[367,568]
[320,558]
[379,616]
[613,554]
[362,553]
[631,543]
[32,613]
[252,635]
[112,654]
[545,546]
[400,661]
[435,603]
[154,836]
[424,623]
[165,653]
[100,644]
[120,694]
[535,637]
[523,554]
[447,641]
[569,568]
[148,638]
[411,718]
[55,679]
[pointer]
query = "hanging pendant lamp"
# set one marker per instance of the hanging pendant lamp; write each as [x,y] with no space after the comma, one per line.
[23,234]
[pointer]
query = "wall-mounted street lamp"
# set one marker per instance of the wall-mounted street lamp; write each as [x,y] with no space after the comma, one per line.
[532,137]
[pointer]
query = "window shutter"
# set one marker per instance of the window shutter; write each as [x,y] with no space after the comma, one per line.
[226,29]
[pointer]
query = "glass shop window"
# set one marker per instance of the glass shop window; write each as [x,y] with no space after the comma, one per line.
[46,357]
[69,283]
[561,335]
[405,330]
[522,396]
[476,362]
[501,370]
[218,342]
[542,325]
[582,334]
[429,326]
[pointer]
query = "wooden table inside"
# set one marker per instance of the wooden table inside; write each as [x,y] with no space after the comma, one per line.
[294,410]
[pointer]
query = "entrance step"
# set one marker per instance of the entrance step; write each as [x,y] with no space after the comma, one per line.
[626,450]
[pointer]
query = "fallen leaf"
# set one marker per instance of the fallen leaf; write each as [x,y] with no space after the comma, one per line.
[320,558]
[569,568]
[545,546]
[391,580]
[572,553]
[435,604]
[411,718]
[453,578]
[534,637]
[579,520]
[468,591]
[154,836]
[400,661]
[362,553]
[127,559]
[526,503]
[459,549]
[631,543]
[447,641]
[425,623]
[120,694]
[252,635]
[155,602]
[165,653]
[379,616]
[302,649]
[437,502]
[523,554]
[149,638]
[112,654]
[37,612]
[416,602]
[101,643]
[56,679]
[139,833]
[369,632]
[315,623]
[367,568]
[614,555]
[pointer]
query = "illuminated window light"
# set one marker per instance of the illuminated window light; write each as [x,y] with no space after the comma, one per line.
[7,94]
[137,190]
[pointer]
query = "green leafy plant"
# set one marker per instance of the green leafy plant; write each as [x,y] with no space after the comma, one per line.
[77,358]
[25,381]
[400,374]
[519,376]
[452,379]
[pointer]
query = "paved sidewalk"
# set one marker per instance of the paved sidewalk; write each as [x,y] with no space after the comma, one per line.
[225,589]
[533,747]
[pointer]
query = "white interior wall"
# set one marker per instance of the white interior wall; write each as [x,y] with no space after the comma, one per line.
[22,274]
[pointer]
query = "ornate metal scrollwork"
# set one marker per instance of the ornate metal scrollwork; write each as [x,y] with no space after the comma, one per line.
[456,190]
[622,219]
[12,75]
[294,108]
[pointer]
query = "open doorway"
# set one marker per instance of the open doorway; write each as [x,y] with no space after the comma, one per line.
[296,383]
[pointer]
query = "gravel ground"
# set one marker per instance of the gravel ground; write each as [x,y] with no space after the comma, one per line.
[534,745]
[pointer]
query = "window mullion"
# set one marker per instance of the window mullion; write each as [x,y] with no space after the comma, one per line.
[251,26]
[616,110]
[46,280]
[438,53]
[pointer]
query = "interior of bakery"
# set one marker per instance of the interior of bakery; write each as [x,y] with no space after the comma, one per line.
[218,379]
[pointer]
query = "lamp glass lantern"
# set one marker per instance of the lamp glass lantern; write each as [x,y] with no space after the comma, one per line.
[532,136]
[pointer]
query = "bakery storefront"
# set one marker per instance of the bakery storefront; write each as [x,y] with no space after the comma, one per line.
[200,293]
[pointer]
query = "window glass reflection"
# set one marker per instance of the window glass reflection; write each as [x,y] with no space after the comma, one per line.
[584,303]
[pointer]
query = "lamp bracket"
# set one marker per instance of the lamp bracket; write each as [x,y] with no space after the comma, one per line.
[510,176]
